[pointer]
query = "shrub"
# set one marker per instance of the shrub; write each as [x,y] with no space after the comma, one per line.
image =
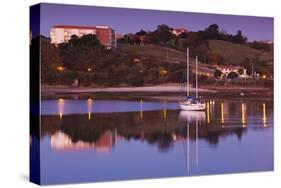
[232,75]
[217,73]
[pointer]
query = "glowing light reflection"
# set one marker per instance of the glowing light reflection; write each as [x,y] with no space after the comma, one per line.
[141,109]
[165,110]
[208,112]
[222,113]
[264,115]
[61,107]
[243,118]
[90,106]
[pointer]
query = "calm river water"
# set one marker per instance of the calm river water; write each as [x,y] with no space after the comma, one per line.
[102,140]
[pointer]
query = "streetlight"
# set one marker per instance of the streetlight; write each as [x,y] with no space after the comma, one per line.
[60,68]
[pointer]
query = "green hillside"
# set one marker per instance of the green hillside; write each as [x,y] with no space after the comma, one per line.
[162,53]
[237,53]
[155,51]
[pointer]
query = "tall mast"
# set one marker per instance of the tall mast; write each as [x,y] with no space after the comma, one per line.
[196,70]
[187,71]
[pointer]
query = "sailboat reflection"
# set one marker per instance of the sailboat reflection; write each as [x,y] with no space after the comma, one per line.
[191,117]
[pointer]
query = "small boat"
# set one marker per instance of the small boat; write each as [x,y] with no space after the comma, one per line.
[191,103]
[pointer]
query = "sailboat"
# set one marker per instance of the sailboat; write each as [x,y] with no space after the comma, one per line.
[191,103]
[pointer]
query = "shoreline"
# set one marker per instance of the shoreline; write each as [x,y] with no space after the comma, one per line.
[152,89]
[168,90]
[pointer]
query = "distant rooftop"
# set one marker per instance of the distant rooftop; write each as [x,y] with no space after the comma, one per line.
[80,27]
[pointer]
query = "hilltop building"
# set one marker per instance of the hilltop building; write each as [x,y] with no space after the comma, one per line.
[178,31]
[226,69]
[62,33]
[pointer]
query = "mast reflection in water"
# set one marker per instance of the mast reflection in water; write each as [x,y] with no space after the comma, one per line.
[97,140]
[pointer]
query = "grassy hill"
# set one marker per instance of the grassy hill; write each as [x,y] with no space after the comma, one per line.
[163,53]
[155,51]
[237,53]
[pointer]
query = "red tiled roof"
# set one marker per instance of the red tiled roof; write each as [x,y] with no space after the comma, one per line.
[180,30]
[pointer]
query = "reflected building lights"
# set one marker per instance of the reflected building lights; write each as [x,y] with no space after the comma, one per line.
[141,109]
[208,112]
[222,113]
[165,110]
[243,110]
[90,106]
[60,141]
[264,116]
[212,107]
[61,107]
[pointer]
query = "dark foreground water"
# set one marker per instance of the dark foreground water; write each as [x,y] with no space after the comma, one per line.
[100,140]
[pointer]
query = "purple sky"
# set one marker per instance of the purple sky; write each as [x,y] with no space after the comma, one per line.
[132,20]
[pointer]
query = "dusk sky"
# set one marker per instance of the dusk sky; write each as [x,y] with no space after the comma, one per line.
[132,20]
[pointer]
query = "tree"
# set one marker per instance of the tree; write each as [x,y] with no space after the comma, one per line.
[193,40]
[211,32]
[141,33]
[50,60]
[232,75]
[238,38]
[161,35]
[217,73]
[81,53]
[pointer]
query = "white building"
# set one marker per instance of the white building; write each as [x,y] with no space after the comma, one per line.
[178,31]
[62,33]
[226,69]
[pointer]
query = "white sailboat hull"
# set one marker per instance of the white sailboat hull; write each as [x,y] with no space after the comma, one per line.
[192,107]
[191,104]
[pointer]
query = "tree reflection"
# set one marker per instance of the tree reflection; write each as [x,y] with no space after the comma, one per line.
[108,128]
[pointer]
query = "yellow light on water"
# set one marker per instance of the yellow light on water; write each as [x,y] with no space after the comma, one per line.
[141,108]
[90,106]
[141,115]
[264,115]
[208,112]
[243,111]
[165,110]
[61,107]
[222,113]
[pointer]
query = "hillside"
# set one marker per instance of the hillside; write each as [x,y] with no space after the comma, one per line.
[237,53]
[162,53]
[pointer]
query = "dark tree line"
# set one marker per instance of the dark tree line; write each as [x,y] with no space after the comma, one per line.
[85,59]
[163,34]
